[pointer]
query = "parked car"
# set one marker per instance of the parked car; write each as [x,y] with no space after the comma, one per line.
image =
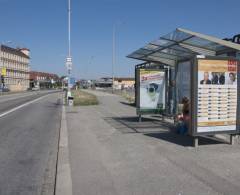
[35,89]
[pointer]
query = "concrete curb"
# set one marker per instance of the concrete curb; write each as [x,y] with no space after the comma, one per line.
[63,176]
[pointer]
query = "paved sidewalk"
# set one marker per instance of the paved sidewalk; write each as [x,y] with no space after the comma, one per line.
[110,154]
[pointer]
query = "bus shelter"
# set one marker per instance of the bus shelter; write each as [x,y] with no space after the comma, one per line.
[192,77]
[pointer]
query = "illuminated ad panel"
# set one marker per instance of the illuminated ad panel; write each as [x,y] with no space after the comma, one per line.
[217,95]
[151,91]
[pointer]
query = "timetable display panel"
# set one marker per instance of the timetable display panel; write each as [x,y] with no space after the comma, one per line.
[216,95]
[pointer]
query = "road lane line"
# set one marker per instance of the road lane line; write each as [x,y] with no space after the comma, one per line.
[15,97]
[21,106]
[4,98]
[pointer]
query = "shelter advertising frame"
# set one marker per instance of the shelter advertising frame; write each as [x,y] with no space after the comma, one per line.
[153,109]
[210,121]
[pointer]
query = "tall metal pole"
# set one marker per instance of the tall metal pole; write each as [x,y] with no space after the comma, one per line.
[113,55]
[69,57]
[69,28]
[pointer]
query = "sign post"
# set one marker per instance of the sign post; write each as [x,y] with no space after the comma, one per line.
[69,58]
[3,74]
[69,69]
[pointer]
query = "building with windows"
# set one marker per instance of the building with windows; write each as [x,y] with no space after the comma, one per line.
[124,83]
[118,83]
[43,80]
[14,65]
[104,82]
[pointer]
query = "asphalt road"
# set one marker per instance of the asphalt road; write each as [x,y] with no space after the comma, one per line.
[8,102]
[29,143]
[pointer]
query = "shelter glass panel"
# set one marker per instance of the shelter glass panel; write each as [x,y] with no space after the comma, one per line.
[177,36]
[183,80]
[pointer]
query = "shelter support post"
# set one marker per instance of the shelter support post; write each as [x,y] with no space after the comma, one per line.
[232,138]
[175,107]
[195,142]
[139,118]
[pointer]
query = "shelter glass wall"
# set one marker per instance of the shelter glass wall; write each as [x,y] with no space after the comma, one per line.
[183,80]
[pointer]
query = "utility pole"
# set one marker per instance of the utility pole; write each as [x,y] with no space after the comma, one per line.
[69,57]
[113,55]
[69,28]
[115,25]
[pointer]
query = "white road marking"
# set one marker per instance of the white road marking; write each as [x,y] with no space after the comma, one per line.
[21,106]
[4,98]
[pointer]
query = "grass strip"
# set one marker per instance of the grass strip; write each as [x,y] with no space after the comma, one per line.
[82,98]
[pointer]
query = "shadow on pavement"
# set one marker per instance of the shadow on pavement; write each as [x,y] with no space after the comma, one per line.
[129,104]
[157,128]
[184,140]
[132,125]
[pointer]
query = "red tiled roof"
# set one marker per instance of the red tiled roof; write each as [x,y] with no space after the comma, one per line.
[35,74]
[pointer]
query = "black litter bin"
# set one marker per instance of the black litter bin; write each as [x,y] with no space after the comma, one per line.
[70,100]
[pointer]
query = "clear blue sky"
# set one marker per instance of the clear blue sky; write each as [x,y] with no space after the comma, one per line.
[41,25]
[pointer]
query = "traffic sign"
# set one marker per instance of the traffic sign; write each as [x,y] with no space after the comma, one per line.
[4,71]
[69,59]
[69,63]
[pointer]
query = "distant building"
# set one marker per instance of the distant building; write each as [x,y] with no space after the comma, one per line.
[124,83]
[85,84]
[14,65]
[119,82]
[104,82]
[43,79]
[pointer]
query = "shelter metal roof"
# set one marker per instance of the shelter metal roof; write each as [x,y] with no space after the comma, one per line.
[182,44]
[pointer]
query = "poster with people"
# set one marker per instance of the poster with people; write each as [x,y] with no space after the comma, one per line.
[151,90]
[217,95]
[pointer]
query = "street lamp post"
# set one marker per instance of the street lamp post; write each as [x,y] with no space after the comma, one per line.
[69,57]
[113,55]
[114,52]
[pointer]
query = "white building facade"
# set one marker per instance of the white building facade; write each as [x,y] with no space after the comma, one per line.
[15,68]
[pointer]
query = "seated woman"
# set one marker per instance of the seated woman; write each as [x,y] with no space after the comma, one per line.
[184,118]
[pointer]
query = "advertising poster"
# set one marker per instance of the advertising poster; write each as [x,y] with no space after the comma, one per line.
[217,95]
[152,91]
